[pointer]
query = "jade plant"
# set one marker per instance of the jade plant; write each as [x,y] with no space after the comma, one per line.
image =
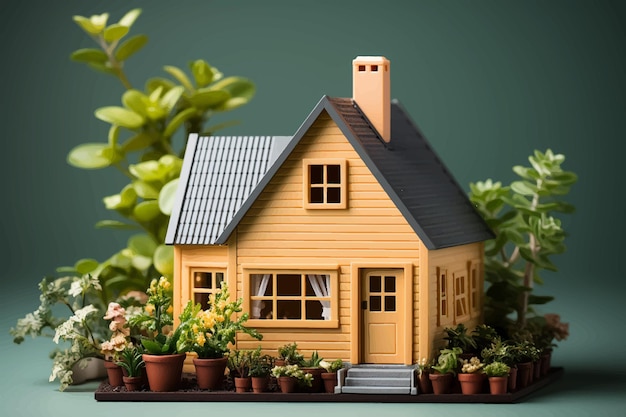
[524,217]
[145,143]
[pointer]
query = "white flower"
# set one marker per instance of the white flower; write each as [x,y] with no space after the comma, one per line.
[66,331]
[76,289]
[84,283]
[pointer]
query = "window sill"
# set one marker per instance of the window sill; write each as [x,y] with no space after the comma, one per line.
[293,324]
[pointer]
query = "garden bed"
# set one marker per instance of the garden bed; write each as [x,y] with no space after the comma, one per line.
[190,393]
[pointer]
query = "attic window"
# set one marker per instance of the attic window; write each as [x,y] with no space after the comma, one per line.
[325,184]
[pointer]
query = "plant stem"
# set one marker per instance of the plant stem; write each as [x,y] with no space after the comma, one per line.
[529,270]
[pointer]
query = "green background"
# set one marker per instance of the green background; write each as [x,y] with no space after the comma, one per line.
[486,81]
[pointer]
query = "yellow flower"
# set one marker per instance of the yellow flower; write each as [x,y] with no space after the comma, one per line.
[164,283]
[149,308]
[170,310]
[195,328]
[200,339]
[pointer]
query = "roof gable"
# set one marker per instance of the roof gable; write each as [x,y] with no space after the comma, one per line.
[407,168]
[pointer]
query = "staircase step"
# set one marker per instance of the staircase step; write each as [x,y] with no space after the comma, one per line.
[380,372]
[372,382]
[376,390]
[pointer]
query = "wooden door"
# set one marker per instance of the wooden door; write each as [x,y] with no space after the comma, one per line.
[382,310]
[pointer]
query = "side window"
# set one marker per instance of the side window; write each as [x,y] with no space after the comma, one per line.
[205,283]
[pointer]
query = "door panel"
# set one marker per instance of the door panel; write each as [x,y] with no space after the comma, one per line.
[382,313]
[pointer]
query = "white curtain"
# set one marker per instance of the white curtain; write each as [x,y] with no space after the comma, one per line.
[321,287]
[259,286]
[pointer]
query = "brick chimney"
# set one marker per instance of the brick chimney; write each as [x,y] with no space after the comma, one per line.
[371,90]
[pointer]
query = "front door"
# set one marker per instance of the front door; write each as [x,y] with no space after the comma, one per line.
[382,314]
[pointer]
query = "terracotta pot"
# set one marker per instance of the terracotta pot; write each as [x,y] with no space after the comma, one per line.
[243,384]
[316,383]
[133,383]
[442,383]
[524,371]
[114,373]
[498,384]
[210,372]
[512,384]
[287,384]
[330,381]
[259,383]
[471,384]
[279,362]
[164,371]
[423,383]
[546,359]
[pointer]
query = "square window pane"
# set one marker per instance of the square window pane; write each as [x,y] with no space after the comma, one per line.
[202,299]
[333,195]
[320,281]
[313,310]
[289,309]
[267,309]
[203,280]
[316,195]
[375,303]
[316,174]
[390,284]
[258,281]
[375,283]
[289,285]
[390,303]
[333,174]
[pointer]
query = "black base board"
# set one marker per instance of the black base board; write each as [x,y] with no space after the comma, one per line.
[107,393]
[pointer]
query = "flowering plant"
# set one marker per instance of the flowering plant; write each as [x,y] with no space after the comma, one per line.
[293,371]
[209,332]
[424,365]
[157,319]
[332,367]
[120,332]
[472,366]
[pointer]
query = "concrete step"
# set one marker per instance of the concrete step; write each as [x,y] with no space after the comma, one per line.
[380,372]
[374,382]
[376,390]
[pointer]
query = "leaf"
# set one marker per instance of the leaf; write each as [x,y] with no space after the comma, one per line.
[85,266]
[146,171]
[152,346]
[141,262]
[169,99]
[209,98]
[89,156]
[202,72]
[147,210]
[114,134]
[138,142]
[129,18]
[130,46]
[89,55]
[145,190]
[240,89]
[115,224]
[115,32]
[178,120]
[154,83]
[93,25]
[167,197]
[136,101]
[120,116]
[179,75]
[164,260]
[523,188]
[142,244]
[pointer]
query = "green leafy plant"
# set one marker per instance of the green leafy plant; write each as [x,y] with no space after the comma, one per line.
[131,360]
[459,337]
[289,353]
[209,332]
[314,361]
[141,146]
[499,351]
[260,365]
[240,361]
[496,369]
[448,361]
[528,234]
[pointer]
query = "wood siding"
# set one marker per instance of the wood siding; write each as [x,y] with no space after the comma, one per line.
[278,232]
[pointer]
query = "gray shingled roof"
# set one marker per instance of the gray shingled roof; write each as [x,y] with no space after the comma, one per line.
[218,175]
[407,168]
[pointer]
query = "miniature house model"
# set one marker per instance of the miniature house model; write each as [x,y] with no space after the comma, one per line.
[350,238]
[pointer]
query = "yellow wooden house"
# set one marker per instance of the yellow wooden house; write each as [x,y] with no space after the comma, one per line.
[350,237]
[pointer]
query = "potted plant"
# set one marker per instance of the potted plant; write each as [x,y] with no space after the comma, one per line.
[484,336]
[288,355]
[445,370]
[502,352]
[131,360]
[209,333]
[330,376]
[471,376]
[260,369]
[525,354]
[424,369]
[239,362]
[116,344]
[498,374]
[164,361]
[290,376]
[312,366]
